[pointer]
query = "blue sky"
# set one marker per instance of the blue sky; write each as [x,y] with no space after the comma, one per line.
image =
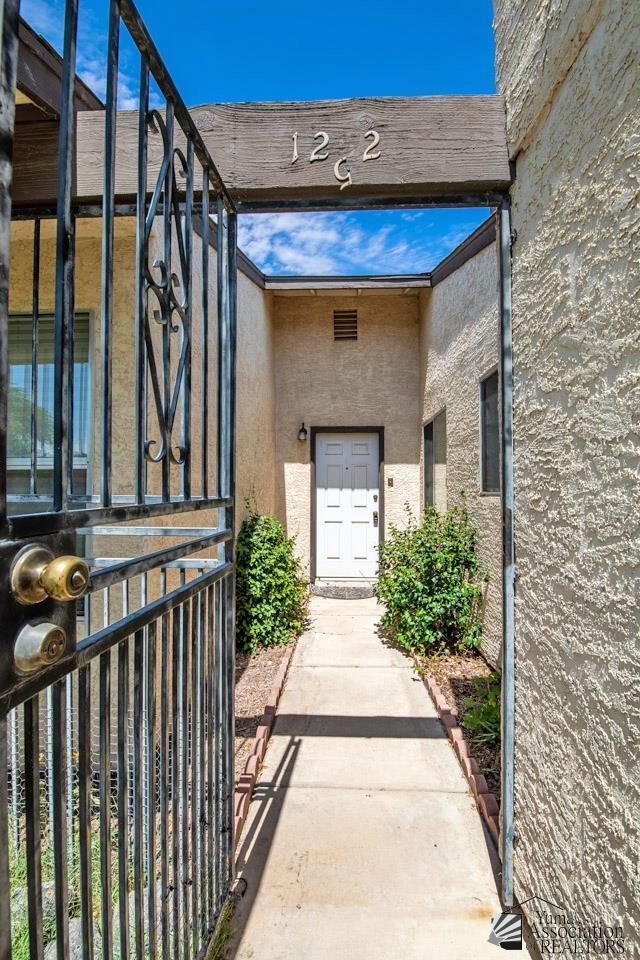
[282,50]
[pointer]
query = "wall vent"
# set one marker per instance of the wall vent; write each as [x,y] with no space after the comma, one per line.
[345,324]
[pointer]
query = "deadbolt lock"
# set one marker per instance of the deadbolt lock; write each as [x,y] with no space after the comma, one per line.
[36,574]
[38,645]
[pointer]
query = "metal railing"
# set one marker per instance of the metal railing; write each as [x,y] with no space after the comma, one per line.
[116,759]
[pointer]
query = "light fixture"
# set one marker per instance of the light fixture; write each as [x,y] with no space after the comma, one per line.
[302,432]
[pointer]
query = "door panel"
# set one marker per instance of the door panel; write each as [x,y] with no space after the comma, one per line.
[347,492]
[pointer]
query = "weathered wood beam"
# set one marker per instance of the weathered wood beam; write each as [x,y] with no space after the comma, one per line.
[40,74]
[425,146]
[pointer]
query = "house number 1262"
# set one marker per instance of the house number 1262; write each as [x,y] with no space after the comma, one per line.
[319,153]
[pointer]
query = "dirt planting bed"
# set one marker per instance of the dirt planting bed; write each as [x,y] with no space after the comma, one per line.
[453,674]
[255,676]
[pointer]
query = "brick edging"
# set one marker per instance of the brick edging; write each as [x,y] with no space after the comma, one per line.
[247,779]
[485,801]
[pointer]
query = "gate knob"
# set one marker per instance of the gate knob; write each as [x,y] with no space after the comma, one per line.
[65,578]
[36,574]
[38,645]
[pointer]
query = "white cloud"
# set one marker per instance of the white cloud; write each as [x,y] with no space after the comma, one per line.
[47,17]
[345,243]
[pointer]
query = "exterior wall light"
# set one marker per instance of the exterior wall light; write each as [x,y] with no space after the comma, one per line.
[302,432]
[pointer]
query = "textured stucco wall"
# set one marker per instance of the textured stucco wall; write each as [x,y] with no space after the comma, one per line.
[256,401]
[574,122]
[459,345]
[373,381]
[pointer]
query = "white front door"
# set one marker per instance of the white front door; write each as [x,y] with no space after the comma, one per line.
[347,505]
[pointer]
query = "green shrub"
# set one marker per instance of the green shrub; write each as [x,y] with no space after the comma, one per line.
[271,592]
[482,714]
[428,581]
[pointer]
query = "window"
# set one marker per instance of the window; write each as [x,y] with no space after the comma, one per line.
[345,324]
[20,447]
[435,462]
[489,435]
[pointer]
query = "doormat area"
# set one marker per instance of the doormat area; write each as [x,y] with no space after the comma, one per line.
[480,765]
[343,591]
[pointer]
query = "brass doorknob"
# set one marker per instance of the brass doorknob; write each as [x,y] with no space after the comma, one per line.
[36,574]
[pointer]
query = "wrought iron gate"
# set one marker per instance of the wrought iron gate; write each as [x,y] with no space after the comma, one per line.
[117,665]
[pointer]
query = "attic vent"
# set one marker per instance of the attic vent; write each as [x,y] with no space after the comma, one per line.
[345,324]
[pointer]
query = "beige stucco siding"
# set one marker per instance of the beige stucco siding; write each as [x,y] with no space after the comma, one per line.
[576,345]
[256,401]
[459,345]
[373,381]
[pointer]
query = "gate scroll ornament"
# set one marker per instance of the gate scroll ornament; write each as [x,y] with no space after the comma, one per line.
[173,311]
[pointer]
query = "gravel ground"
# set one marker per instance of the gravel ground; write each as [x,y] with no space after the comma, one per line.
[254,678]
[453,674]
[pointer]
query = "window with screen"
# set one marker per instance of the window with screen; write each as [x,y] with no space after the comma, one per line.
[490,434]
[435,462]
[30,438]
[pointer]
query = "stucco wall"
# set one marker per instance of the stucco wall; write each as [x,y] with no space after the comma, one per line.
[372,381]
[459,345]
[256,401]
[573,122]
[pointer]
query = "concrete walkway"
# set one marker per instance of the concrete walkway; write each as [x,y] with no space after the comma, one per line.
[362,841]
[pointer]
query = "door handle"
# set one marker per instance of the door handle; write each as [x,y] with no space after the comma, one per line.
[375,518]
[36,574]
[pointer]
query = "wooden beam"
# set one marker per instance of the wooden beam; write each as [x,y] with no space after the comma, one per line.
[35,163]
[407,283]
[40,74]
[427,147]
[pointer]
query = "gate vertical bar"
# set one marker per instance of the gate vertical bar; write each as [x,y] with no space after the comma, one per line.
[59,810]
[8,70]
[141,253]
[138,853]
[175,774]
[106,292]
[84,800]
[105,806]
[151,787]
[226,477]
[167,319]
[5,901]
[68,480]
[229,582]
[123,797]
[187,282]
[64,258]
[35,311]
[204,429]
[508,553]
[165,714]
[32,823]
